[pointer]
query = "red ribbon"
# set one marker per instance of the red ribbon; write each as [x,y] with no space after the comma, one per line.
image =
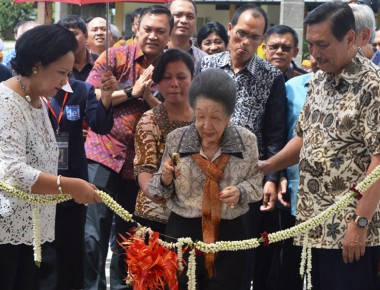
[151,265]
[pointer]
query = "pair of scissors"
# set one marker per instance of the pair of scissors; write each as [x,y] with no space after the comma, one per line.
[174,157]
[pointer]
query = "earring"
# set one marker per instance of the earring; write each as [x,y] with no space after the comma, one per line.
[35,72]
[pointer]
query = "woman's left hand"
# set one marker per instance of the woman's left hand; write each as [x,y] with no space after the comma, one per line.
[230,196]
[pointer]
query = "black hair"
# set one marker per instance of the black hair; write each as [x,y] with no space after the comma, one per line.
[209,28]
[171,55]
[74,21]
[44,44]
[281,30]
[339,14]
[158,9]
[216,85]
[257,12]
[137,12]
[88,19]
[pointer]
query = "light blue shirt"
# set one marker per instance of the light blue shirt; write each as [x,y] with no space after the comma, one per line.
[296,91]
[8,57]
[376,57]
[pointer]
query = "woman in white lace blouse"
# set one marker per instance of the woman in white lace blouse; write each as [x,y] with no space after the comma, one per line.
[28,149]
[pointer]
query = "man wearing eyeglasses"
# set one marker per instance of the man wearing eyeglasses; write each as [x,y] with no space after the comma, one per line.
[261,108]
[280,47]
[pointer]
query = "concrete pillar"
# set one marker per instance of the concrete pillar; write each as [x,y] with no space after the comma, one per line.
[44,13]
[119,16]
[292,14]
[231,12]
[61,10]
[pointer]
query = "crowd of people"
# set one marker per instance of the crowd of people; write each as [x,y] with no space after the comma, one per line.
[197,138]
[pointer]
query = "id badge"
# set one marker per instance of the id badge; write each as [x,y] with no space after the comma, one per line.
[63,149]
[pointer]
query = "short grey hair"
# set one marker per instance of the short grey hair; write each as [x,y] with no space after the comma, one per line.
[216,85]
[364,18]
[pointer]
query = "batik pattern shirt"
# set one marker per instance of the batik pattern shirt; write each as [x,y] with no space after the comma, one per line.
[340,128]
[150,140]
[116,150]
[261,102]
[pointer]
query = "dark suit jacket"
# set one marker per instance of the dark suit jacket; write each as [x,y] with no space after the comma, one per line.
[80,105]
[5,73]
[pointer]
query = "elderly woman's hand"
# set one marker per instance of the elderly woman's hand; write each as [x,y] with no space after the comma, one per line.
[230,196]
[168,173]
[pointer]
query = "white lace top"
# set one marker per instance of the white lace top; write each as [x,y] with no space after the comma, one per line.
[27,147]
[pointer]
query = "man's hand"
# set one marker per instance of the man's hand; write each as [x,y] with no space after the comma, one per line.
[281,190]
[140,85]
[354,242]
[108,85]
[270,196]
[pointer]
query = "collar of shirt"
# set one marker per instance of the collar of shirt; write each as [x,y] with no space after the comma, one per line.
[231,143]
[225,60]
[352,68]
[140,56]
[90,57]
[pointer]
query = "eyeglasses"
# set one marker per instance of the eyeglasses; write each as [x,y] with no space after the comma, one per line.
[284,48]
[243,35]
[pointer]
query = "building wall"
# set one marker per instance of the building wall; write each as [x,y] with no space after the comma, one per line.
[283,12]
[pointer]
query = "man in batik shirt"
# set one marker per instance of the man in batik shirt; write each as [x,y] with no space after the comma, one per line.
[111,156]
[337,145]
[261,108]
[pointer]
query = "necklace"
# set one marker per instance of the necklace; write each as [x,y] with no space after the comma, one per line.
[23,89]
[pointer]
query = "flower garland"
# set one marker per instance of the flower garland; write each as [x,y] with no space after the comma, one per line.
[191,274]
[36,235]
[302,228]
[40,199]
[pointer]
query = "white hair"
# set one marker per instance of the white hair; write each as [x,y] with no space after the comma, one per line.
[364,18]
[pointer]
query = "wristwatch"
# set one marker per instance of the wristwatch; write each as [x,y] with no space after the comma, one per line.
[128,92]
[361,221]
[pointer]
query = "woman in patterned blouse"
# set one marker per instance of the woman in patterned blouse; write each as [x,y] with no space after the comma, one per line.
[173,73]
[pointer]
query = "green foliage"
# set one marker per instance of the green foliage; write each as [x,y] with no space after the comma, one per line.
[11,13]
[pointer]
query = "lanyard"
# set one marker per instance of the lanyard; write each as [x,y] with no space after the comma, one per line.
[62,108]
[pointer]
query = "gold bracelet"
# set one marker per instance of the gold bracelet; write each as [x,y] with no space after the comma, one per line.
[59,184]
